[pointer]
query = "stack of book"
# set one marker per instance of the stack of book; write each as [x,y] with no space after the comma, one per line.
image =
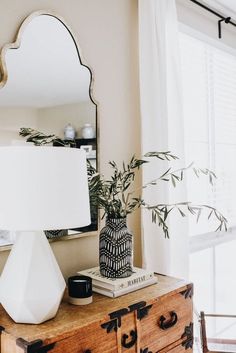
[115,287]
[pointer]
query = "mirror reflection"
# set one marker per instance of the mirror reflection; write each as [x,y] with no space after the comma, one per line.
[48,89]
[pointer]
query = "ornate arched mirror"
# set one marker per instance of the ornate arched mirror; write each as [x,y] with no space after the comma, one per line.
[45,86]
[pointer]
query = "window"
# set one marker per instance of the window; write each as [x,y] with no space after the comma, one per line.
[209,96]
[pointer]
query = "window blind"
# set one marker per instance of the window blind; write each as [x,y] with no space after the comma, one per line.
[209,98]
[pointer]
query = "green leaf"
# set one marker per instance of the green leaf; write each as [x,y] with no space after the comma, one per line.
[199,213]
[165,173]
[161,155]
[176,177]
[181,212]
[196,172]
[209,216]
[173,180]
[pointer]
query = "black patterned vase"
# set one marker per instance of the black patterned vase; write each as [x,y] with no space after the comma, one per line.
[52,234]
[116,249]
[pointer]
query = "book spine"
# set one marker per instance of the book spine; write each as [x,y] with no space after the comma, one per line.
[135,281]
[136,287]
[127,282]
[118,293]
[103,292]
[104,285]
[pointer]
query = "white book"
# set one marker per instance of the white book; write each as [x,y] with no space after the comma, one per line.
[118,293]
[138,276]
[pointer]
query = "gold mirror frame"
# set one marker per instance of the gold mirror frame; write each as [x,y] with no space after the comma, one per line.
[4,77]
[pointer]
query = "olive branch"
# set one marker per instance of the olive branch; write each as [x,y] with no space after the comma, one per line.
[116,199]
[40,139]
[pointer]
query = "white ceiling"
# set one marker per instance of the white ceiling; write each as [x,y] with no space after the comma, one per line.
[227,7]
[45,71]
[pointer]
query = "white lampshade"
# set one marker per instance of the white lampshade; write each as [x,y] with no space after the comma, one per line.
[43,188]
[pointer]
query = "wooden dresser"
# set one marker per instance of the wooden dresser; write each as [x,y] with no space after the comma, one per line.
[154,319]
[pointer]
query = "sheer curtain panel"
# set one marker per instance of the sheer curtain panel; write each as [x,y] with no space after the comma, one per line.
[162,129]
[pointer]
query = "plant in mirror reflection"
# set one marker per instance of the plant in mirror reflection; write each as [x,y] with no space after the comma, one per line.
[40,139]
[118,198]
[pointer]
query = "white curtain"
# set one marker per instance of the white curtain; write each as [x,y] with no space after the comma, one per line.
[162,130]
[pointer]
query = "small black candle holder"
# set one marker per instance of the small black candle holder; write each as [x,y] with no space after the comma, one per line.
[80,290]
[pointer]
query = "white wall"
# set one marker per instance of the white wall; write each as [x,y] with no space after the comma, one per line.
[54,119]
[12,119]
[107,33]
[48,120]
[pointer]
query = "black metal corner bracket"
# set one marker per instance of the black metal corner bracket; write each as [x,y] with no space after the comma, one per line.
[188,293]
[115,317]
[34,346]
[143,312]
[110,326]
[188,336]
[222,18]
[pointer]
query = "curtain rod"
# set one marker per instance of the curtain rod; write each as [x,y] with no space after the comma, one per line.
[225,19]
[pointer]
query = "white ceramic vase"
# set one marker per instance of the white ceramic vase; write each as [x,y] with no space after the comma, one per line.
[69,132]
[87,131]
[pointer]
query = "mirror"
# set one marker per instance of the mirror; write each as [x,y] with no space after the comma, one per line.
[45,86]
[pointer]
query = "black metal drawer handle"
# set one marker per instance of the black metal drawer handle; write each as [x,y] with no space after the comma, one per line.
[165,324]
[133,335]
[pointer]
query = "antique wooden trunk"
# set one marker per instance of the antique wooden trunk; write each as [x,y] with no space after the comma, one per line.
[157,318]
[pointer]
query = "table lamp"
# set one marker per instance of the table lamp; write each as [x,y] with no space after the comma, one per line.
[41,188]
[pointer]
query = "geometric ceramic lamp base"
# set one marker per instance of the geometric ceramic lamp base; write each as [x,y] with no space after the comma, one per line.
[31,284]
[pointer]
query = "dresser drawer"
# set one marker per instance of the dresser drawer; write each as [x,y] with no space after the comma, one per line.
[153,319]
[169,320]
[91,339]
